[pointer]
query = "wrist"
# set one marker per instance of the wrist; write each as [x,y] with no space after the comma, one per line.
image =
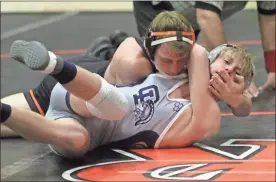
[237,101]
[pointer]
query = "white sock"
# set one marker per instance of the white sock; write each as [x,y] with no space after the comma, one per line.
[52,63]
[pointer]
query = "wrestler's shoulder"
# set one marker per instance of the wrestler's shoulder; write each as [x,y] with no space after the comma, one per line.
[198,49]
[130,48]
[132,41]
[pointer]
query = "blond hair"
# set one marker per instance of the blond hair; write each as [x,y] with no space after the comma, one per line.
[172,21]
[247,65]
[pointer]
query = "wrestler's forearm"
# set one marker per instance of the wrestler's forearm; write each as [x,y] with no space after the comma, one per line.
[242,107]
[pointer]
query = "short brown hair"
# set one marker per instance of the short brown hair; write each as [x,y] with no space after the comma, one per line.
[172,21]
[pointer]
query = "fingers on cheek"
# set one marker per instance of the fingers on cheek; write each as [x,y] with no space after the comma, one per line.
[214,92]
[216,79]
[212,89]
[217,82]
[220,81]
[224,74]
[224,78]
[212,82]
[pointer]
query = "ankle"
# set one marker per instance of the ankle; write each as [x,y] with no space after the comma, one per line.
[65,71]
[59,63]
[5,112]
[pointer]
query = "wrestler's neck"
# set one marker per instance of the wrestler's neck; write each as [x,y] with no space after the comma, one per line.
[183,91]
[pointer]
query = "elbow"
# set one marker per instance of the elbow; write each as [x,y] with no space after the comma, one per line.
[243,109]
[241,114]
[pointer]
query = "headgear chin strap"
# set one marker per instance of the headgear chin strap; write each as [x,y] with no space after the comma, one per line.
[151,40]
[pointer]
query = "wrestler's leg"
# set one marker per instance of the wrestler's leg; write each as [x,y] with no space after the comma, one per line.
[78,81]
[66,133]
[16,100]
[36,100]
[75,79]
[7,132]
[267,29]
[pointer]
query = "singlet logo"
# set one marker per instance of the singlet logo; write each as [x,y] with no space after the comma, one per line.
[144,112]
[144,104]
[147,93]
[177,106]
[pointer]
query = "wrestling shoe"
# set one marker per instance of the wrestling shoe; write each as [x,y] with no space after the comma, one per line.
[33,54]
[99,45]
[117,37]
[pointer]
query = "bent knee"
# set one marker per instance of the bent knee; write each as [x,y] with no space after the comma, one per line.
[72,144]
[109,103]
[66,153]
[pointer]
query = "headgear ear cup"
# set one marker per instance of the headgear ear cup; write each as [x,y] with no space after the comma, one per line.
[151,42]
[147,43]
[213,55]
[149,48]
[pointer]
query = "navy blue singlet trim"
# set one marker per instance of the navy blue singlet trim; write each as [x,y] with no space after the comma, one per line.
[67,101]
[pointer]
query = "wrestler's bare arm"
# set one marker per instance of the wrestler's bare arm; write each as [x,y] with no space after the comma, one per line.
[128,65]
[201,98]
[202,118]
